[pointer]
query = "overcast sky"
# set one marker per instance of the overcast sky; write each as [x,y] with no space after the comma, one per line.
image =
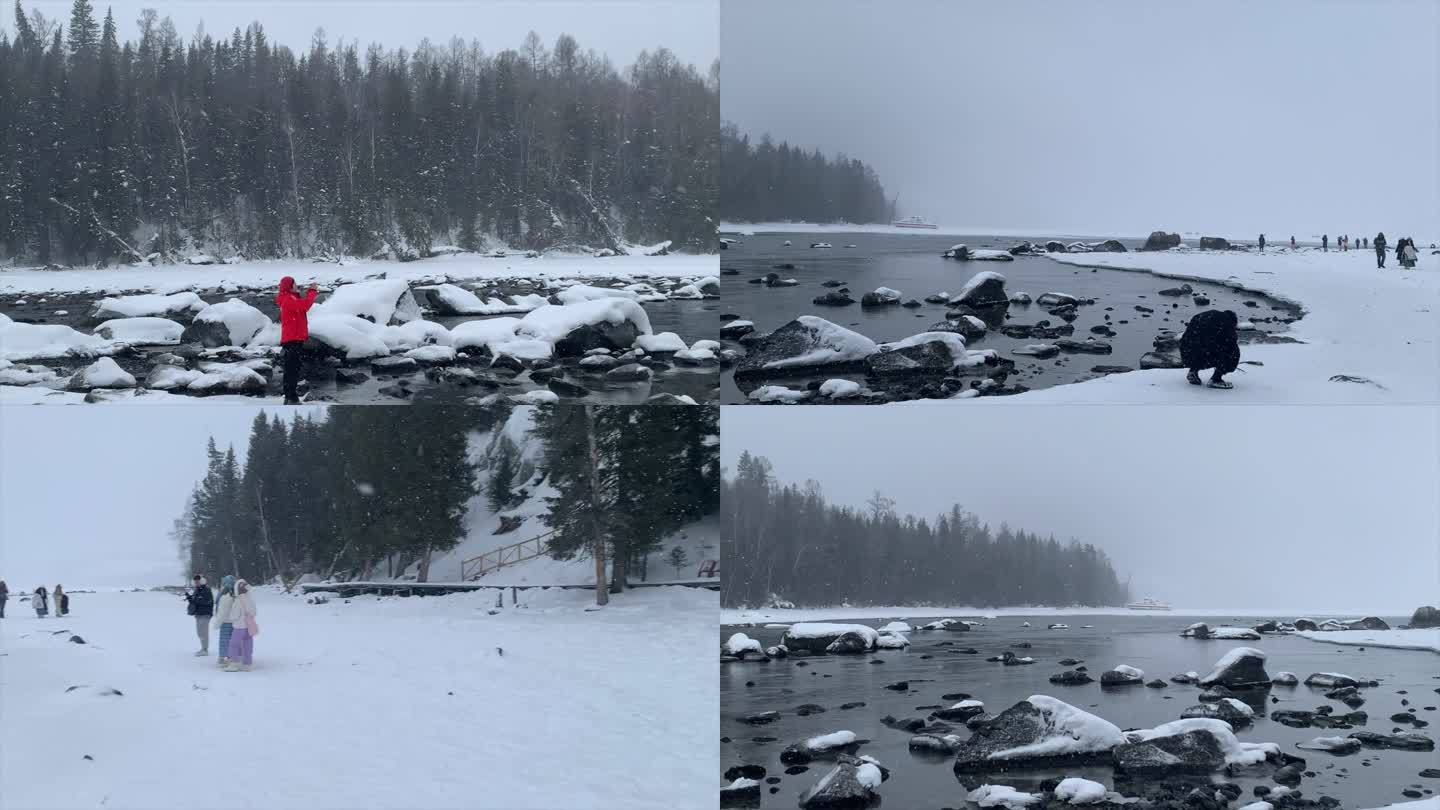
[88,495]
[619,28]
[1109,116]
[1297,508]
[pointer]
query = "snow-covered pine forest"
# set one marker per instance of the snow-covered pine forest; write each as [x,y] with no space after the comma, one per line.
[152,147]
[410,493]
[769,182]
[785,543]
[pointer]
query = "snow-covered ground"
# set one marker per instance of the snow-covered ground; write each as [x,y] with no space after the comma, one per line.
[374,703]
[1394,639]
[828,614]
[1360,321]
[1432,803]
[752,228]
[169,278]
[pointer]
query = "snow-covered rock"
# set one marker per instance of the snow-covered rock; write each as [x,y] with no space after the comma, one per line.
[228,378]
[28,341]
[228,323]
[581,293]
[381,301]
[840,787]
[806,750]
[1122,675]
[610,323]
[1075,790]
[103,373]
[840,389]
[449,299]
[778,394]
[739,644]
[415,334]
[1241,668]
[1195,745]
[432,355]
[806,343]
[1037,730]
[142,331]
[146,306]
[1002,796]
[349,336]
[818,637]
[661,343]
[982,290]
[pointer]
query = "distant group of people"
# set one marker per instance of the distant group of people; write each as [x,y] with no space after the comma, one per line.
[1405,251]
[234,616]
[40,600]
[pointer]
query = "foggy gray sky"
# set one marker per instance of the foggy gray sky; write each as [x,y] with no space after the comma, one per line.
[618,28]
[88,494]
[1237,507]
[1109,116]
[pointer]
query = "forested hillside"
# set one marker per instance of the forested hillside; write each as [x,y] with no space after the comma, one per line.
[121,149]
[769,183]
[788,542]
[372,492]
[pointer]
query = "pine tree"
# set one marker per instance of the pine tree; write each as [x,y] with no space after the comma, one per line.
[678,559]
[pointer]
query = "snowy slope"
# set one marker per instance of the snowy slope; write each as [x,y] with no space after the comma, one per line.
[374,703]
[700,540]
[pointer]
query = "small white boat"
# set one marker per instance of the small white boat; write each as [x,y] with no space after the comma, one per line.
[914,222]
[1148,604]
[821,245]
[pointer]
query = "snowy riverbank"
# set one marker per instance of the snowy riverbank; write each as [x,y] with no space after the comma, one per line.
[752,228]
[172,278]
[377,703]
[1378,328]
[730,616]
[1428,639]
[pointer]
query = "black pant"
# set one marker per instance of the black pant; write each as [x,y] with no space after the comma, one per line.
[3,600]
[1380,257]
[291,355]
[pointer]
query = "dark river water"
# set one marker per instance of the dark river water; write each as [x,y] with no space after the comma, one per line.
[1367,779]
[911,263]
[692,320]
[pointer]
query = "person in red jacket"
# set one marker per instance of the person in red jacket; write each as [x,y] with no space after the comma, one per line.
[294,331]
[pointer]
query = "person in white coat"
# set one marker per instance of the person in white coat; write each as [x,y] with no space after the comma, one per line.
[222,619]
[242,641]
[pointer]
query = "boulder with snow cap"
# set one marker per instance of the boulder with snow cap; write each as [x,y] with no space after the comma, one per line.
[985,289]
[103,373]
[1122,675]
[803,345]
[884,296]
[573,329]
[840,787]
[1198,745]
[1034,733]
[741,792]
[1241,668]
[228,323]
[1232,711]
[806,750]
[817,637]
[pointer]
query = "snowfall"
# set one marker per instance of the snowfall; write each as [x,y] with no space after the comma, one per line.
[368,702]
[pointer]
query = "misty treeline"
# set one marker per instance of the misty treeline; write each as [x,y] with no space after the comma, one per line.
[120,150]
[768,183]
[787,542]
[363,493]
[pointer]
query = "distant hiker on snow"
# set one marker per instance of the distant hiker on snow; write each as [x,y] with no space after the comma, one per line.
[1211,341]
[294,331]
[62,602]
[1292,242]
[4,597]
[1408,254]
[222,617]
[242,641]
[1325,242]
[200,603]
[1262,243]
[40,601]
[1380,250]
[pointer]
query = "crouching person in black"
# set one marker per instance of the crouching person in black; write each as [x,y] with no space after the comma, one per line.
[1211,341]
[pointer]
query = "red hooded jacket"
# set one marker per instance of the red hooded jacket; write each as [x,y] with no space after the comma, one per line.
[294,326]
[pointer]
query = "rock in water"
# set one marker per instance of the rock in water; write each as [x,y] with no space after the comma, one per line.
[1122,676]
[1037,731]
[841,787]
[1368,623]
[1241,668]
[1425,617]
[1195,751]
[742,792]
[1339,746]
[983,290]
[1072,677]
[1214,243]
[806,343]
[1160,240]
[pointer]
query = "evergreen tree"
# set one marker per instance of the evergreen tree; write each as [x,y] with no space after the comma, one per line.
[116,150]
[770,183]
[789,541]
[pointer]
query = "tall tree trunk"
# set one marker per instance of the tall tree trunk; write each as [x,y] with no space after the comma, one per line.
[602,593]
[425,566]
